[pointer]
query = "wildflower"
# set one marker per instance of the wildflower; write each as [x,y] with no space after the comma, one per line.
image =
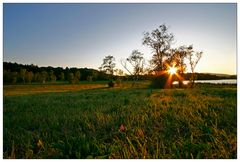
[122,128]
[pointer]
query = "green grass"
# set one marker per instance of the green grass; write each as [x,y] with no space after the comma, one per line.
[122,123]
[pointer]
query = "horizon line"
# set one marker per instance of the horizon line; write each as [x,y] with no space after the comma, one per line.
[39,66]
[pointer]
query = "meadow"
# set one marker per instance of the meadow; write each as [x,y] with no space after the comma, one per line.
[93,121]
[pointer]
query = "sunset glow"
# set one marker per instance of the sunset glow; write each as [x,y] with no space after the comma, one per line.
[172,70]
[66,33]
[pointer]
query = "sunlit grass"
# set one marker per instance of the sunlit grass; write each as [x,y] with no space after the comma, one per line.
[19,90]
[13,90]
[122,123]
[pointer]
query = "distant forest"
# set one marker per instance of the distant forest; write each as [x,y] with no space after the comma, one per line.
[14,73]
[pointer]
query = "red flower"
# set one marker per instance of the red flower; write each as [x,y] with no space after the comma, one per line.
[122,128]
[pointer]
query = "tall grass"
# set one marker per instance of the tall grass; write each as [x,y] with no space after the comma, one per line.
[122,123]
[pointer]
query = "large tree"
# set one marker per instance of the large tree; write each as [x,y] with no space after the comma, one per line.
[159,40]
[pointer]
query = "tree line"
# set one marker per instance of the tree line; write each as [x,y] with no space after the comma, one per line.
[14,73]
[18,73]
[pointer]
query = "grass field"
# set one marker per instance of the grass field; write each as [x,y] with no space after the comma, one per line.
[70,121]
[17,90]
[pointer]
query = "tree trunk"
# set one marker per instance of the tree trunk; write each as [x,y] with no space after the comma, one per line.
[192,80]
[180,82]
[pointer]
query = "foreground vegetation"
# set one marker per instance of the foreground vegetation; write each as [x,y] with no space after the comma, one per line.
[121,122]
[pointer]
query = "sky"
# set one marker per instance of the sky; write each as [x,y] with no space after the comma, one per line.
[81,35]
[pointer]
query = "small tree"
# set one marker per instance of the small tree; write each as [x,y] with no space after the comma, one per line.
[14,77]
[23,74]
[94,75]
[43,76]
[71,78]
[29,76]
[77,76]
[89,78]
[107,67]
[62,76]
[193,58]
[52,76]
[119,72]
[37,77]
[136,61]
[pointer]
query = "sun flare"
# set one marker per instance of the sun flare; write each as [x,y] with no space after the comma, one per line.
[172,70]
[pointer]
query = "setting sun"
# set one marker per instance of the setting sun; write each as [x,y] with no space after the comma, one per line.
[172,70]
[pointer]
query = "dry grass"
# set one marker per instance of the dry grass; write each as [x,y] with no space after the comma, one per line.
[18,90]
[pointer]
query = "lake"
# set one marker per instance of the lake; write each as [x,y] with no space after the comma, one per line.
[221,81]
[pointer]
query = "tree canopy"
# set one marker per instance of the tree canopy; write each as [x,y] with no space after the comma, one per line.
[160,41]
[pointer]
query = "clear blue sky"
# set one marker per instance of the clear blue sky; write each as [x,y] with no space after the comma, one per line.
[81,35]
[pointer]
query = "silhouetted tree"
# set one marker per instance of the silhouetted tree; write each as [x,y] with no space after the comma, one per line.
[136,61]
[159,40]
[193,58]
[108,65]
[177,59]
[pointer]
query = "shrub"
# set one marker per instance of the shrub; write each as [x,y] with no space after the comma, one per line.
[160,82]
[111,84]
